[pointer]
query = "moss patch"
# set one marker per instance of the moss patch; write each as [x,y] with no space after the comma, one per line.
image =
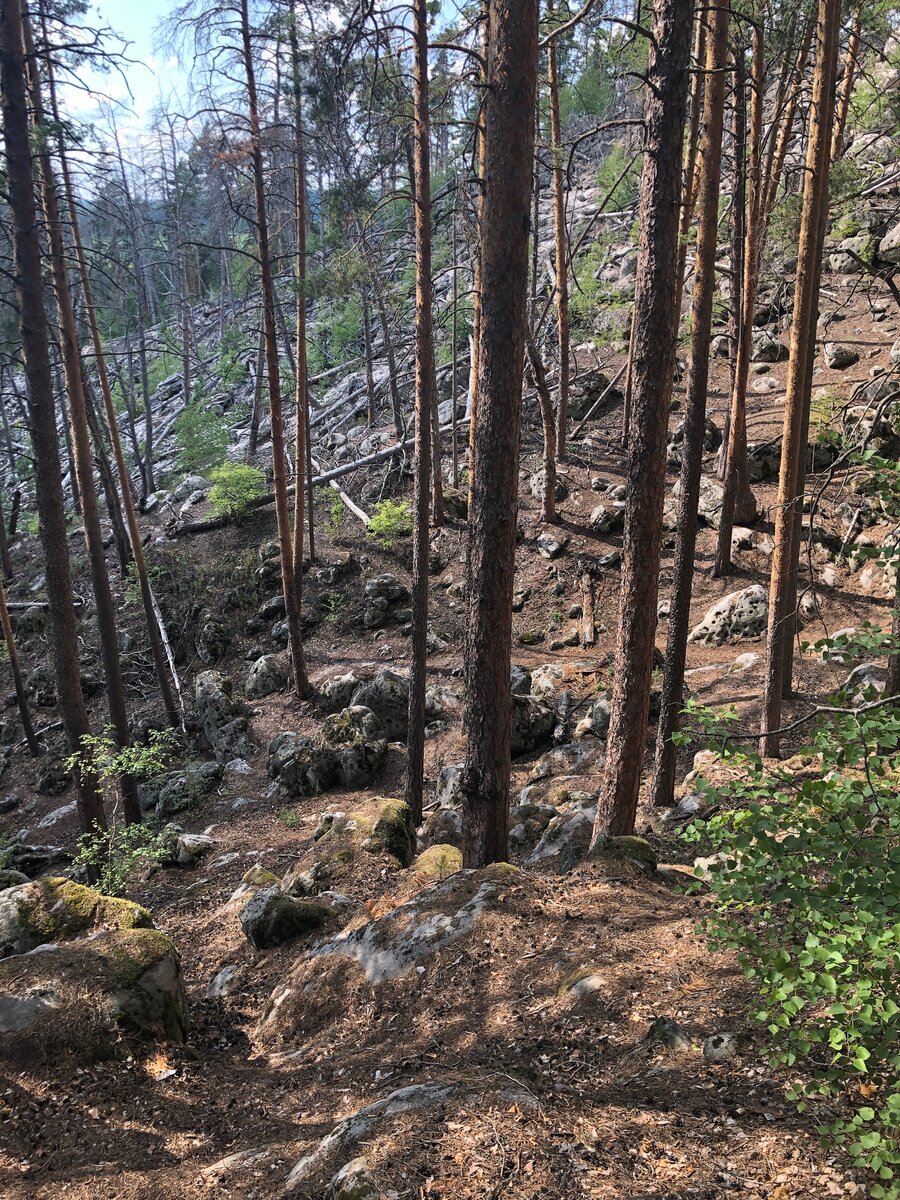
[259,876]
[394,830]
[61,908]
[438,861]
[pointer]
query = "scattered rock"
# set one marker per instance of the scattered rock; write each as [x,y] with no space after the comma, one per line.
[719,1048]
[550,546]
[349,751]
[667,1032]
[267,675]
[766,348]
[271,918]
[740,614]
[839,357]
[387,696]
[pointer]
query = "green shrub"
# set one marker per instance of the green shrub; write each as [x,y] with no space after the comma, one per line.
[234,488]
[121,857]
[390,521]
[202,437]
[807,891]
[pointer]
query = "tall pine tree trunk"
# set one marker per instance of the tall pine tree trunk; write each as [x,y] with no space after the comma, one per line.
[851,66]
[494,469]
[695,412]
[41,408]
[655,330]
[797,393]
[282,510]
[81,442]
[557,153]
[425,402]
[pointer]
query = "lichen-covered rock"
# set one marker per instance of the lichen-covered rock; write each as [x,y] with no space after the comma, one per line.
[349,751]
[838,357]
[441,827]
[370,957]
[52,910]
[267,675]
[709,503]
[387,695]
[178,790]
[766,348]
[337,692]
[387,588]
[213,637]
[271,918]
[740,614]
[394,831]
[353,1181]
[629,848]
[77,995]
[519,680]
[533,723]
[224,722]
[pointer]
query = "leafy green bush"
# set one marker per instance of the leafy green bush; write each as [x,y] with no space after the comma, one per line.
[807,891]
[123,856]
[202,437]
[590,95]
[390,521]
[234,488]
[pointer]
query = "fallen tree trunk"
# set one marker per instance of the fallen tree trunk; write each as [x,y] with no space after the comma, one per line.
[370,460]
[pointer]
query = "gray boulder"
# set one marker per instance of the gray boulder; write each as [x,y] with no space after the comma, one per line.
[349,751]
[533,723]
[740,614]
[271,918]
[267,675]
[387,696]
[766,348]
[839,357]
[224,724]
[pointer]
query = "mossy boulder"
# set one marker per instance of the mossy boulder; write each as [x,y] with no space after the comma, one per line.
[272,918]
[79,996]
[259,876]
[394,831]
[627,848]
[53,910]
[438,861]
[349,751]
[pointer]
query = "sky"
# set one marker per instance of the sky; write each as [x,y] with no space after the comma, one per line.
[151,74]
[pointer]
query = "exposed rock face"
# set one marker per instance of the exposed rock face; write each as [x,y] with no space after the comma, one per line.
[379,593]
[853,253]
[596,722]
[213,637]
[390,947]
[75,995]
[586,391]
[271,918]
[349,751]
[567,837]
[267,675]
[387,695]
[224,724]
[740,614]
[394,831]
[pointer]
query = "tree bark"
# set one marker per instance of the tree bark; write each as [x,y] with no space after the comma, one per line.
[302,685]
[494,467]
[41,409]
[425,409]
[559,235]
[81,444]
[796,403]
[851,66]
[695,411]
[655,331]
[548,426]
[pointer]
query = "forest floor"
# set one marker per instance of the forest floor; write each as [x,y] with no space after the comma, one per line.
[547,1094]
